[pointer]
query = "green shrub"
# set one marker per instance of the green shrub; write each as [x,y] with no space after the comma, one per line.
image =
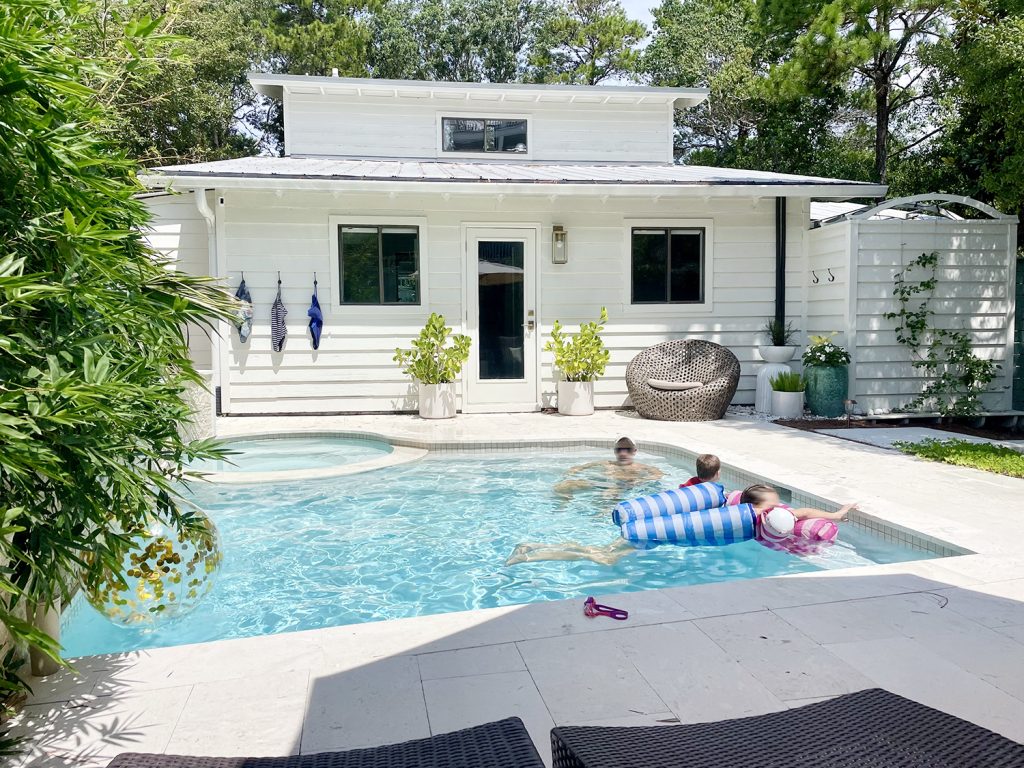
[94,360]
[963,453]
[582,357]
[432,360]
[788,382]
[778,334]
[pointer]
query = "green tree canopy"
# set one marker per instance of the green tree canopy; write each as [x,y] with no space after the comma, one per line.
[193,102]
[312,37]
[454,40]
[585,42]
[856,46]
[708,44]
[745,123]
[982,71]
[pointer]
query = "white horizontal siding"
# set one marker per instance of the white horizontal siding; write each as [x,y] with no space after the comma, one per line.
[408,128]
[353,369]
[828,299]
[179,232]
[973,294]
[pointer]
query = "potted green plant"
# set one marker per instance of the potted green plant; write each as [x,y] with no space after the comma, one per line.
[788,395]
[780,347]
[435,360]
[827,374]
[581,359]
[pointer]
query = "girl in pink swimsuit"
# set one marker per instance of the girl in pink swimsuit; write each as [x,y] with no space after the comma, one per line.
[799,531]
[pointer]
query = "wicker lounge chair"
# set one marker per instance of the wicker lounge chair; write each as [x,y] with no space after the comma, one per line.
[693,380]
[502,744]
[869,729]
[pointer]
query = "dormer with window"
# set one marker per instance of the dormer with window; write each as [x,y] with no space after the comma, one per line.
[389,119]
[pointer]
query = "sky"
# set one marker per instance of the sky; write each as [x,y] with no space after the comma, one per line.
[640,10]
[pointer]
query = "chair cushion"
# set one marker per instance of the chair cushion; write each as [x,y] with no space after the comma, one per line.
[673,386]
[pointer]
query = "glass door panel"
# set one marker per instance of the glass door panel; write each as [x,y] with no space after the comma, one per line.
[500,284]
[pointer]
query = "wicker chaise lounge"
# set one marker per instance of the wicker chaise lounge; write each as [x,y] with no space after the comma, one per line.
[868,729]
[683,380]
[502,744]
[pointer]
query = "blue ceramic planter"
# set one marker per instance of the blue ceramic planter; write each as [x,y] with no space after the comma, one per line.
[827,388]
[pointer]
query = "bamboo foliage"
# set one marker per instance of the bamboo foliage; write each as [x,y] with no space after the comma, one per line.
[93,355]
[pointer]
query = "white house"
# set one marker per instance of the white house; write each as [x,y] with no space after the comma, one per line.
[502,207]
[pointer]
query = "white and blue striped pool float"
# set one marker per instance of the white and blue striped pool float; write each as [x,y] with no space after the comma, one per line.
[699,528]
[672,502]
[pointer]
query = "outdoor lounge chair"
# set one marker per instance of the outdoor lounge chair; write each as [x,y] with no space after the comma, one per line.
[502,744]
[869,729]
[683,380]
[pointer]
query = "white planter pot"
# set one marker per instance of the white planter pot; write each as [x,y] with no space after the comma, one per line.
[772,354]
[575,398]
[788,405]
[437,401]
[47,620]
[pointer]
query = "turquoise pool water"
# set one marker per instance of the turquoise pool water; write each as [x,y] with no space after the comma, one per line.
[276,455]
[431,537]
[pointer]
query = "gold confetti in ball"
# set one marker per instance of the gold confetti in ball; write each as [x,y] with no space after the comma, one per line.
[165,575]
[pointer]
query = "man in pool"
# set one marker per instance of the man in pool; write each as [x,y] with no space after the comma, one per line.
[610,479]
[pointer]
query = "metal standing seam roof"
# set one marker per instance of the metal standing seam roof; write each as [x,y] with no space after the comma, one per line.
[489,172]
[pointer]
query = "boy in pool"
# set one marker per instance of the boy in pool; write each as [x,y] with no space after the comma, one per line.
[612,479]
[709,470]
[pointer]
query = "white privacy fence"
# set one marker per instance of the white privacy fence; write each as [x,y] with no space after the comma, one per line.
[852,265]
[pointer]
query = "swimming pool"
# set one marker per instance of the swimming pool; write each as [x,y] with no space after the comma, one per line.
[432,537]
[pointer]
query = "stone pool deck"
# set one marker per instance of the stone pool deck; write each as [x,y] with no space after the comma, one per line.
[948,632]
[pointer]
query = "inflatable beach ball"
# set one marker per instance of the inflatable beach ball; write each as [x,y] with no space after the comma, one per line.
[165,575]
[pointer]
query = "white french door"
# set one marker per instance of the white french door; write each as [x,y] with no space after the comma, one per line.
[501,315]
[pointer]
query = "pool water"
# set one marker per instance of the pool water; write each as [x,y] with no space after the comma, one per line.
[432,537]
[277,454]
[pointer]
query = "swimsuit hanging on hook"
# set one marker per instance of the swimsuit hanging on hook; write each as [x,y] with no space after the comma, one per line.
[278,312]
[316,317]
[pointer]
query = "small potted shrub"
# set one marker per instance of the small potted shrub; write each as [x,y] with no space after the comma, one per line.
[826,372]
[581,359]
[780,347]
[788,395]
[435,360]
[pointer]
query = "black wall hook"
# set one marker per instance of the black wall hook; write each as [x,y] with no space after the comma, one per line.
[279,277]
[814,274]
[831,277]
[314,278]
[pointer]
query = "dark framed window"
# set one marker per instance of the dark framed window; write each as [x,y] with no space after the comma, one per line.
[379,265]
[667,265]
[472,134]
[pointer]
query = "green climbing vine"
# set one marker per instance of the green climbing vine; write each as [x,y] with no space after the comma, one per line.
[957,376]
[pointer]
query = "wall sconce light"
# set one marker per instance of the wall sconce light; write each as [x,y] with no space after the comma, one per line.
[559,246]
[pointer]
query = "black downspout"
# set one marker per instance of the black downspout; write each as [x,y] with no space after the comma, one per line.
[780,260]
